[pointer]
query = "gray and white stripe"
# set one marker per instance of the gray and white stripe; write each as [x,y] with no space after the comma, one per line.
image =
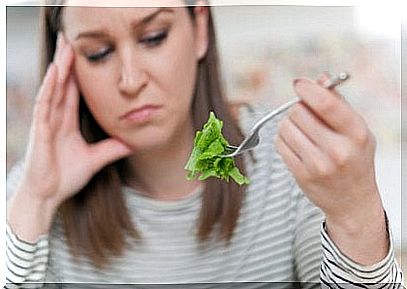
[279,238]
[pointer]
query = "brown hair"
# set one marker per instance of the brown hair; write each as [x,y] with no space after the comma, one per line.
[96,220]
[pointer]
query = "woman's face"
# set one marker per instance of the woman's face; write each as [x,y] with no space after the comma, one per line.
[136,68]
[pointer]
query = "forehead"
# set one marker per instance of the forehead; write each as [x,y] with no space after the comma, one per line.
[79,16]
[87,12]
[126,3]
[79,19]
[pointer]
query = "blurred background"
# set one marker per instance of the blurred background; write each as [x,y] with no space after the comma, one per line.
[263,48]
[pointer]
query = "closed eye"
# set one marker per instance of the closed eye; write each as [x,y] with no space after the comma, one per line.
[150,41]
[156,39]
[99,55]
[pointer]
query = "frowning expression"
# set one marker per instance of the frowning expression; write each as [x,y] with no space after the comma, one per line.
[136,69]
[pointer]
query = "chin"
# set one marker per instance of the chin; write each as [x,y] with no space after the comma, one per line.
[148,139]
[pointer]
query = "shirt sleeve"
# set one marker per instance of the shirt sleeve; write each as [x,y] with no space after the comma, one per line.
[338,271]
[25,262]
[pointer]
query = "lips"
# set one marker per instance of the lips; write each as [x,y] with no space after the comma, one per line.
[140,114]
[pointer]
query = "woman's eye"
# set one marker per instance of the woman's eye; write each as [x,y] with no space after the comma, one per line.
[95,57]
[155,39]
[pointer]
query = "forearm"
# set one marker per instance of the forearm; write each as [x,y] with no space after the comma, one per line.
[29,217]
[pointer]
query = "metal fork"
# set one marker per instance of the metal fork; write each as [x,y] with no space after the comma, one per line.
[253,139]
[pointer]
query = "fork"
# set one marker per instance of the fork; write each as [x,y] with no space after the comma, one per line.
[253,139]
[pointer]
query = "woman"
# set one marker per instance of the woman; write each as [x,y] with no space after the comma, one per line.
[104,198]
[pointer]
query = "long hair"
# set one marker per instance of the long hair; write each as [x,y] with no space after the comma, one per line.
[96,220]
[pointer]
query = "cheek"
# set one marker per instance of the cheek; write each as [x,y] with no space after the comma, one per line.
[177,70]
[95,87]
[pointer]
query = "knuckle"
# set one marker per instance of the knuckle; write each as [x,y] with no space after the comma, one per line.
[303,177]
[296,112]
[363,138]
[307,178]
[322,170]
[327,106]
[342,156]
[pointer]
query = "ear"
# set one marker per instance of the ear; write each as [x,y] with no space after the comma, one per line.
[201,27]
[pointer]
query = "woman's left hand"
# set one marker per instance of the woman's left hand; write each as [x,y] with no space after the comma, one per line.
[330,151]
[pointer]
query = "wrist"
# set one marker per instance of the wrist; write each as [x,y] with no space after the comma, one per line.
[362,237]
[358,214]
[359,219]
[30,216]
[355,224]
[39,197]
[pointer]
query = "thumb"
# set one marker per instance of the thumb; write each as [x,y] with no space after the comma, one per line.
[108,151]
[322,78]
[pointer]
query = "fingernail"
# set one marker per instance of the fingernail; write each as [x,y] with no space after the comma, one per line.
[299,81]
[295,81]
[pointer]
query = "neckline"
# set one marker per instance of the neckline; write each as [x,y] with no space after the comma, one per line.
[143,201]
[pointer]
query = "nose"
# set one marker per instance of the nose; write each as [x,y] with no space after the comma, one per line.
[133,76]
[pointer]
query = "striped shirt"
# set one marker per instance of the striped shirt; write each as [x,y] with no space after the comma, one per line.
[280,237]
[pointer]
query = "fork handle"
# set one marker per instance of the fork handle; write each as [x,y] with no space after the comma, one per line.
[274,113]
[329,84]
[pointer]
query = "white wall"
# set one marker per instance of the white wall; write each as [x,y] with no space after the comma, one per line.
[23,47]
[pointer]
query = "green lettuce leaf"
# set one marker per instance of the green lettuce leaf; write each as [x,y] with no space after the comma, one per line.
[206,161]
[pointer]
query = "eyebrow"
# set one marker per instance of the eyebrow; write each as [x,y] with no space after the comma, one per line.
[144,21]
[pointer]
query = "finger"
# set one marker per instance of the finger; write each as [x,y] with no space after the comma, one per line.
[71,105]
[298,142]
[332,110]
[58,49]
[323,78]
[64,60]
[108,151]
[43,102]
[333,148]
[322,81]
[64,64]
[292,161]
[64,67]
[313,128]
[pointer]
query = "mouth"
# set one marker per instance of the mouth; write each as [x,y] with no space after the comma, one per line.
[140,114]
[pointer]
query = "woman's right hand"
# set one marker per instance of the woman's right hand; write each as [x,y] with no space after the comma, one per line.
[59,162]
